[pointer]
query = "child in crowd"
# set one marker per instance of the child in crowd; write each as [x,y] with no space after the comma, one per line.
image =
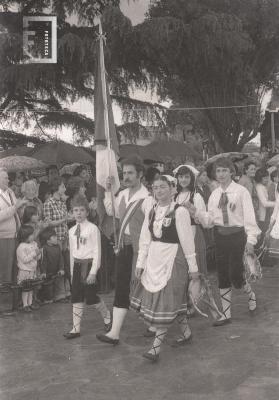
[28,255]
[85,259]
[31,217]
[52,267]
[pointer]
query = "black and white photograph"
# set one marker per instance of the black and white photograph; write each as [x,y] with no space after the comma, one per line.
[139,199]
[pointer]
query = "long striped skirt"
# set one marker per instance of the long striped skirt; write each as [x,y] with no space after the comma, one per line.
[160,309]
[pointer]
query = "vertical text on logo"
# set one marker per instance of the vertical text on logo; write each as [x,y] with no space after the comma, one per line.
[40,39]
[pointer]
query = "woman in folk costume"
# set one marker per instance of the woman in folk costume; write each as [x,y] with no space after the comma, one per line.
[231,213]
[166,240]
[186,192]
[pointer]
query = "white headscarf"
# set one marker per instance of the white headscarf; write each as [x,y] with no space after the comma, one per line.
[171,179]
[193,169]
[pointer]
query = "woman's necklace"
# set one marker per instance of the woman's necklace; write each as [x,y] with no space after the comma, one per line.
[184,197]
[160,213]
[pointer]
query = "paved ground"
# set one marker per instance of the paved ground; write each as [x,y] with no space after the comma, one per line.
[236,362]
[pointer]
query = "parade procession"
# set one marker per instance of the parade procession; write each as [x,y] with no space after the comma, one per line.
[139,200]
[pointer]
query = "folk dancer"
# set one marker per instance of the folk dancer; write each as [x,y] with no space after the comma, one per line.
[85,260]
[231,212]
[166,243]
[186,192]
[130,207]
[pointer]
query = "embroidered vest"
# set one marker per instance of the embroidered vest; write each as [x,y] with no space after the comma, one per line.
[169,232]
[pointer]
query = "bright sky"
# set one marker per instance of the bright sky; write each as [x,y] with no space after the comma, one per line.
[135,10]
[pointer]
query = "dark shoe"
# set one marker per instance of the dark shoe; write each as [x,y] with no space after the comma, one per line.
[190,312]
[27,309]
[35,306]
[64,300]
[149,333]
[151,357]
[45,302]
[107,327]
[252,305]
[221,322]
[7,313]
[105,339]
[71,335]
[182,341]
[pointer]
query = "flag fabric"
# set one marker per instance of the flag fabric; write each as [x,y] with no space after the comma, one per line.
[107,149]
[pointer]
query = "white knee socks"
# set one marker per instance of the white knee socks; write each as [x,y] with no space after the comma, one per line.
[77,315]
[252,304]
[103,310]
[226,299]
[159,337]
[119,315]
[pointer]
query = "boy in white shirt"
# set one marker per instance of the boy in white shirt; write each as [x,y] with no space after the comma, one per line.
[85,257]
[231,213]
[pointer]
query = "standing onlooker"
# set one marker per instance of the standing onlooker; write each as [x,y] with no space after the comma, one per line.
[52,267]
[89,181]
[16,180]
[248,181]
[262,178]
[29,189]
[75,185]
[150,175]
[28,254]
[44,188]
[202,185]
[31,217]
[272,190]
[9,226]
[55,213]
[273,185]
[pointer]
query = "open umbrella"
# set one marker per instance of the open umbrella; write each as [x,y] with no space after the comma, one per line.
[60,153]
[274,160]
[145,153]
[233,155]
[21,163]
[69,168]
[172,149]
[16,151]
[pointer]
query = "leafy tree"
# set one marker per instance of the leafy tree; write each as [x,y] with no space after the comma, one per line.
[43,92]
[210,53]
[196,53]
[10,139]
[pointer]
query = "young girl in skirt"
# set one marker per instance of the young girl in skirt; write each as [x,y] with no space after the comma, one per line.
[166,243]
[28,255]
[85,258]
[186,192]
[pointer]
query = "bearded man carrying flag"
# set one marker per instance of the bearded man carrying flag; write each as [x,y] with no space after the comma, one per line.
[129,206]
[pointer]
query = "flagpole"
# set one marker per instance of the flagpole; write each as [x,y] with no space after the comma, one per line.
[106,123]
